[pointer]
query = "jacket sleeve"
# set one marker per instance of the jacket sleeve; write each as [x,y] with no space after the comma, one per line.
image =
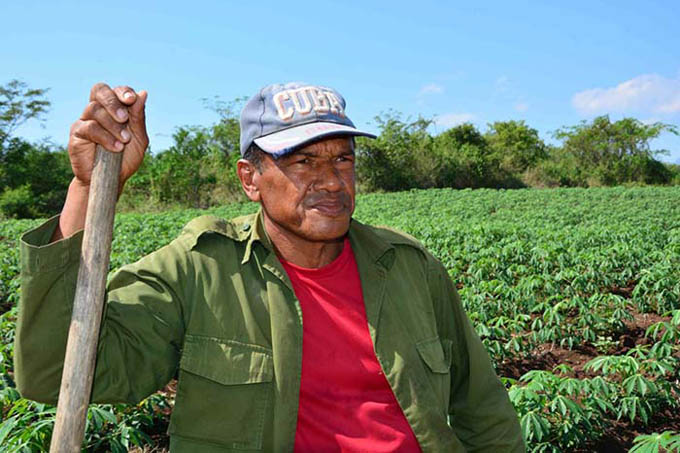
[142,326]
[480,411]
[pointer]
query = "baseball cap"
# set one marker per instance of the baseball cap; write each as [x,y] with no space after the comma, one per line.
[283,117]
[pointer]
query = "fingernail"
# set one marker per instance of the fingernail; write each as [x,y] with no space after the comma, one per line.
[127,95]
[125,134]
[122,114]
[118,145]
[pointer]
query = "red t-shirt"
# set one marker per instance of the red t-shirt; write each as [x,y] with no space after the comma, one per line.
[346,403]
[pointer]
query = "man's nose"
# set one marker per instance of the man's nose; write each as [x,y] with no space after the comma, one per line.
[328,178]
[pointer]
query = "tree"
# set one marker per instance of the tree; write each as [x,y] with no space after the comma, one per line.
[198,170]
[516,145]
[18,104]
[616,152]
[464,134]
[400,158]
[183,172]
[33,178]
[465,158]
[226,133]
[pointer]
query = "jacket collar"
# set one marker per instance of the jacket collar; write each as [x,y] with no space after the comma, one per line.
[257,233]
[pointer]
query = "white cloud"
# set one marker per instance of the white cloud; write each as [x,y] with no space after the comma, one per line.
[431,88]
[649,93]
[672,106]
[521,106]
[453,119]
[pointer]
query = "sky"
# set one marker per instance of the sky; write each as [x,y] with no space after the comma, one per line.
[551,64]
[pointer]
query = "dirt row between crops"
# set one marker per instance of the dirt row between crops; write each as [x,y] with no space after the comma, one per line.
[618,438]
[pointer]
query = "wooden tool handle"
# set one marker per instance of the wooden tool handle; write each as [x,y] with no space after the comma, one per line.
[83,335]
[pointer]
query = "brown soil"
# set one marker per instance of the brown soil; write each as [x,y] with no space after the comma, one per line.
[617,438]
[548,355]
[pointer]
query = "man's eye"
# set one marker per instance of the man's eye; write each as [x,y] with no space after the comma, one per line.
[302,161]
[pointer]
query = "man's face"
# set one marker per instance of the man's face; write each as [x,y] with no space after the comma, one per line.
[310,192]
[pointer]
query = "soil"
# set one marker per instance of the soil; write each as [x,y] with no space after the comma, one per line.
[619,436]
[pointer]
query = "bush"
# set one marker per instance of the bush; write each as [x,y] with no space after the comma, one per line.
[615,152]
[37,174]
[401,157]
[18,202]
[406,156]
[674,170]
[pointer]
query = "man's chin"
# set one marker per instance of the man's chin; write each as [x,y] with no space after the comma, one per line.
[328,228]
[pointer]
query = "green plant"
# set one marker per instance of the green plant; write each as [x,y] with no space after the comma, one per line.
[668,441]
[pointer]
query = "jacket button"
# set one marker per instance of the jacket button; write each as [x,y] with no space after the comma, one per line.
[245,227]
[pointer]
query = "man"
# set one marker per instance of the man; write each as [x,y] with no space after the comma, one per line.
[297,328]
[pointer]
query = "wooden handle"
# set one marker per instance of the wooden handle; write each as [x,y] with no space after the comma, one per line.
[83,335]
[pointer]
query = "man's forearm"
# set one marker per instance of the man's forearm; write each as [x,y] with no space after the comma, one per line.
[73,213]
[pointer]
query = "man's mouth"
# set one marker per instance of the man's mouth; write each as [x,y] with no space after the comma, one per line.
[330,206]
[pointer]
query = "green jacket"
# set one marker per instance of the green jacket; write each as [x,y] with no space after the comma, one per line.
[217,305]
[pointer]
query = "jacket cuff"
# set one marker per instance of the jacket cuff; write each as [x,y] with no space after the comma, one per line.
[39,255]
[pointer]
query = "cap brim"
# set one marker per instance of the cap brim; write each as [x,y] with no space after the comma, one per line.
[287,140]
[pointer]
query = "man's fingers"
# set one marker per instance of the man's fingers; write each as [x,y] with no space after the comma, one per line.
[92,131]
[94,111]
[137,109]
[125,94]
[104,95]
[138,116]
[96,88]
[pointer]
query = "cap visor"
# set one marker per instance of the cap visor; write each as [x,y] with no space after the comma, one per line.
[285,141]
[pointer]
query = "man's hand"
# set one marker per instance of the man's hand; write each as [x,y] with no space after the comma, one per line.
[115,119]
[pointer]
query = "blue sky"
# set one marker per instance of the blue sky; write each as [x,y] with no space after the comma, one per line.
[551,64]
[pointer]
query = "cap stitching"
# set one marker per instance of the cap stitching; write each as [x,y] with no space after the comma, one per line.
[259,120]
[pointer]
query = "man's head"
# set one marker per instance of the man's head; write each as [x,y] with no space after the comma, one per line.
[298,149]
[283,117]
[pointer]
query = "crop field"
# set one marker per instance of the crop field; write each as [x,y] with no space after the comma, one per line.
[574,292]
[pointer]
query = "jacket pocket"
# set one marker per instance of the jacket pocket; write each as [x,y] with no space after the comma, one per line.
[436,354]
[224,393]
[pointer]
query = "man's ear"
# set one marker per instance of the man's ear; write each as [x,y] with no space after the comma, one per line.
[248,175]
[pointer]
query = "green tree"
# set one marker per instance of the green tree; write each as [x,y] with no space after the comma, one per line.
[616,152]
[226,132]
[198,170]
[406,156]
[516,145]
[226,140]
[182,173]
[34,178]
[465,158]
[464,134]
[18,104]
[400,158]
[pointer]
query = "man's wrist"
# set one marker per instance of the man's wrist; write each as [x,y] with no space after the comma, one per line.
[79,186]
[73,213]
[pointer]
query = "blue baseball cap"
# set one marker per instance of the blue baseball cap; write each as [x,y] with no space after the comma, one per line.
[280,118]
